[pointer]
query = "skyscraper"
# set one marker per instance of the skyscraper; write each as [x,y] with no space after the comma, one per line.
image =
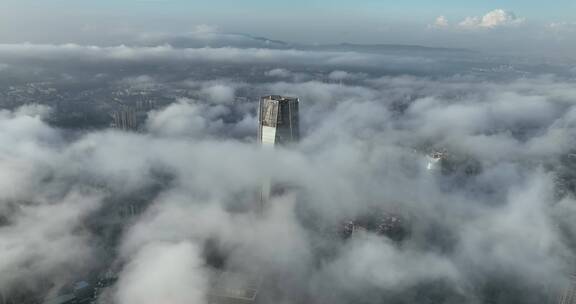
[125,119]
[569,295]
[278,120]
[278,125]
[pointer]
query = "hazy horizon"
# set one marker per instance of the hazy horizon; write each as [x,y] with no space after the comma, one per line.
[526,27]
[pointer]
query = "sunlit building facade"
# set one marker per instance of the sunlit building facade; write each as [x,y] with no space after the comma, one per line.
[278,120]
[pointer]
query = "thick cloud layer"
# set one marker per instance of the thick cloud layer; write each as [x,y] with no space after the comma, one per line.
[161,273]
[496,227]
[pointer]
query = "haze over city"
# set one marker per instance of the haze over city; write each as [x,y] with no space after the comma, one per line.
[168,151]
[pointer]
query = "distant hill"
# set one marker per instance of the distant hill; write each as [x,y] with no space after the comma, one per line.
[240,40]
[369,48]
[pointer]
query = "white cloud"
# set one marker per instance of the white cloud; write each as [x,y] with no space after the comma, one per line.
[280,73]
[288,75]
[205,29]
[33,110]
[560,26]
[164,273]
[182,118]
[343,75]
[494,19]
[441,22]
[354,150]
[340,75]
[44,240]
[372,262]
[470,22]
[142,82]
[187,118]
[219,93]
[167,53]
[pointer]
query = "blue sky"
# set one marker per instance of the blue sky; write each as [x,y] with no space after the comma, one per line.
[537,9]
[361,21]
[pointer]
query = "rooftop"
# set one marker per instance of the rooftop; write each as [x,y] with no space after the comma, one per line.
[279,98]
[237,285]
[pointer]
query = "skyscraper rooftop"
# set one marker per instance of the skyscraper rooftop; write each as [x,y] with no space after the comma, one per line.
[235,288]
[278,120]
